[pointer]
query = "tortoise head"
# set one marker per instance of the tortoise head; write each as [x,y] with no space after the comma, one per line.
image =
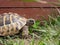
[30,22]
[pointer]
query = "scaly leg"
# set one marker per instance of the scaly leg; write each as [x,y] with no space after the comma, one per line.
[25,31]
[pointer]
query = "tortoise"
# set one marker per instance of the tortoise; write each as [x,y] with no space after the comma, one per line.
[11,24]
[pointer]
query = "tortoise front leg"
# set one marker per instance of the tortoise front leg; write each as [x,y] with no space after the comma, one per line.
[25,31]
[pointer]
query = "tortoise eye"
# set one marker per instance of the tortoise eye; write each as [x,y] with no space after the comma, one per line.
[31,21]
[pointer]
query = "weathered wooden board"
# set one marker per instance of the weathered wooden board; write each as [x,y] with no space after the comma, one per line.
[35,13]
[27,9]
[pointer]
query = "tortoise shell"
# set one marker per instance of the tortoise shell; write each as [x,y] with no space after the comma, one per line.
[11,23]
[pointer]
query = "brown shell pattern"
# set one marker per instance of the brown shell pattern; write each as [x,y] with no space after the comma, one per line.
[11,23]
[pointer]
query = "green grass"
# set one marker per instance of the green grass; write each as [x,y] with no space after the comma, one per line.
[47,34]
